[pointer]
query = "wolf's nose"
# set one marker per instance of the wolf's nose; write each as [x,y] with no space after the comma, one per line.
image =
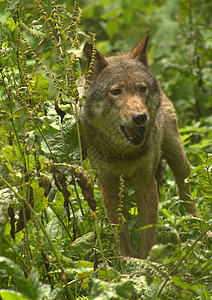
[139,119]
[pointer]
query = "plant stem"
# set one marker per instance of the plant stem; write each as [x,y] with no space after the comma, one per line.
[100,246]
[75,114]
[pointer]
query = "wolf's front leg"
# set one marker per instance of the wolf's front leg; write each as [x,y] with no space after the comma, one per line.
[117,215]
[147,203]
[175,156]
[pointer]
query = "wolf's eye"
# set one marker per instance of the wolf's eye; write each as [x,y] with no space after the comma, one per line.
[116,92]
[142,89]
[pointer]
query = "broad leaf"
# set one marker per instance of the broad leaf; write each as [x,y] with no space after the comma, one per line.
[11,295]
[30,287]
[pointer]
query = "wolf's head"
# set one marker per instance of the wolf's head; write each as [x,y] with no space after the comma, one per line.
[123,95]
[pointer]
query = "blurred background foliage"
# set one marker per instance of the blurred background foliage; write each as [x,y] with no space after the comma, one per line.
[52,243]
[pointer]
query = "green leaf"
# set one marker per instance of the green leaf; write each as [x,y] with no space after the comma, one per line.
[39,87]
[17,275]
[11,24]
[83,243]
[9,152]
[84,270]
[30,287]
[169,216]
[41,290]
[194,192]
[17,113]
[109,290]
[179,282]
[63,142]
[54,231]
[156,250]
[11,295]
[57,209]
[40,201]
[101,291]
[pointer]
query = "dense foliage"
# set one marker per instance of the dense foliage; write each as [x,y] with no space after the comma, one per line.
[55,241]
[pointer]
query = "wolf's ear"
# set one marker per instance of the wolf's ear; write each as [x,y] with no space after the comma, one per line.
[99,63]
[140,51]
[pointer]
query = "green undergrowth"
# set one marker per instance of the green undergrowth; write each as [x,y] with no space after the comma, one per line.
[55,240]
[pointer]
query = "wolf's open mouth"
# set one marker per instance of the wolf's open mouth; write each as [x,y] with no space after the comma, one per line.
[134,135]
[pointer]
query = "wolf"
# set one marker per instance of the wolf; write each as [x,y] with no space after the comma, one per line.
[129,126]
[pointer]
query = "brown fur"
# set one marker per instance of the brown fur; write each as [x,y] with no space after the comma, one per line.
[129,125]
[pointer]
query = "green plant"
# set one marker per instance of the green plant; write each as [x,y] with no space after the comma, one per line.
[52,244]
[39,131]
